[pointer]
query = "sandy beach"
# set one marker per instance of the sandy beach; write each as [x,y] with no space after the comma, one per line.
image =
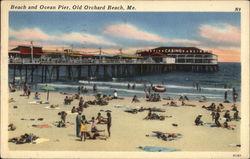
[128,131]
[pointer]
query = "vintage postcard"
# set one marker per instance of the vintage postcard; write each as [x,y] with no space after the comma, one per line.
[125,79]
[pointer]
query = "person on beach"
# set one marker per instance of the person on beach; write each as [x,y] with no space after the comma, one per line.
[235,95]
[220,107]
[63,115]
[227,115]
[37,96]
[216,119]
[83,128]
[79,90]
[198,120]
[225,96]
[93,125]
[78,123]
[234,107]
[73,110]
[115,94]
[100,119]
[94,88]
[25,89]
[149,114]
[81,101]
[109,120]
[213,115]
[236,115]
[135,99]
[28,94]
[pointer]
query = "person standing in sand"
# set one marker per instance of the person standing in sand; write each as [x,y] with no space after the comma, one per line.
[83,128]
[78,123]
[109,119]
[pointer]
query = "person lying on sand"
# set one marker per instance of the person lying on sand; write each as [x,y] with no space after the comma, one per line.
[227,126]
[166,136]
[198,120]
[211,107]
[154,116]
[184,104]
[54,106]
[96,135]
[168,98]
[11,100]
[11,127]
[172,103]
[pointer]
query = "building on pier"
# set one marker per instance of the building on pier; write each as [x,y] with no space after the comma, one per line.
[23,51]
[191,55]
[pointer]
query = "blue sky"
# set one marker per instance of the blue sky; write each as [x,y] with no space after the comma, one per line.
[126,30]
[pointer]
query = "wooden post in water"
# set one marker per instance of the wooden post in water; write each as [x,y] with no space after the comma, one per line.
[79,72]
[20,73]
[14,74]
[32,73]
[57,73]
[42,72]
[97,71]
[26,73]
[45,75]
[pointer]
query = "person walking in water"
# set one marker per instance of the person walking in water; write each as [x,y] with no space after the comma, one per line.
[109,119]
[225,96]
[78,123]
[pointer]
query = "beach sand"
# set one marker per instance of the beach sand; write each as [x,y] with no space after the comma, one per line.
[128,130]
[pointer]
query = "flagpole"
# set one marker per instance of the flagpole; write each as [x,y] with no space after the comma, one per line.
[31,51]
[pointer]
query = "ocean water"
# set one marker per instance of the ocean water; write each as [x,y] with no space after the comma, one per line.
[213,84]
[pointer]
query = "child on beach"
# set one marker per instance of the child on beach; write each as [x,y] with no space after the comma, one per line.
[100,119]
[198,120]
[109,119]
[37,96]
[83,128]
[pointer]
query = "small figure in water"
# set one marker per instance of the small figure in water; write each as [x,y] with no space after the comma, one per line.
[128,86]
[94,88]
[133,87]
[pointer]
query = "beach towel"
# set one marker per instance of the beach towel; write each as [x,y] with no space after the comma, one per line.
[40,140]
[70,113]
[121,106]
[42,126]
[48,107]
[209,124]
[156,149]
[165,136]
[39,102]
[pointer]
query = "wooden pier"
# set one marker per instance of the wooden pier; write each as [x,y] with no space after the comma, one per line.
[74,71]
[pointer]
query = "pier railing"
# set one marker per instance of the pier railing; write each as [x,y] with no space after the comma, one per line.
[54,61]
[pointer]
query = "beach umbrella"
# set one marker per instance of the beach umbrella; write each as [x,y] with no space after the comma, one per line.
[48,88]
